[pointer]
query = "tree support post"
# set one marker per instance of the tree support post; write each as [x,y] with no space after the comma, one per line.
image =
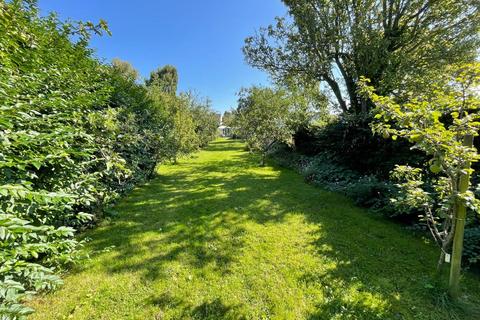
[460,216]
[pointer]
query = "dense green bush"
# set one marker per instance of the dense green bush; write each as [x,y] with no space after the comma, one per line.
[322,170]
[74,135]
[350,141]
[54,163]
[472,244]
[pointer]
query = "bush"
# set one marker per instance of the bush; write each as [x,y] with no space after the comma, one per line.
[371,192]
[350,142]
[75,134]
[472,245]
[51,165]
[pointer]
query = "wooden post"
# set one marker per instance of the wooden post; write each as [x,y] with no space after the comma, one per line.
[460,215]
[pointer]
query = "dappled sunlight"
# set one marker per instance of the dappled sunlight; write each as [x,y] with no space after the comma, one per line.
[218,237]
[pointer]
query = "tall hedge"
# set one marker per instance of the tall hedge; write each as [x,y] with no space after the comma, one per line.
[74,135]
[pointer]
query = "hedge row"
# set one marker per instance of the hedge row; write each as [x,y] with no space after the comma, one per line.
[75,134]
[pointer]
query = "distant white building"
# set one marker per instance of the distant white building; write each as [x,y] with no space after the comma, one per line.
[223,130]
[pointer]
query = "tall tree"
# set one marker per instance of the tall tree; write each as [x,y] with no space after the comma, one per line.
[387,41]
[166,78]
[227,118]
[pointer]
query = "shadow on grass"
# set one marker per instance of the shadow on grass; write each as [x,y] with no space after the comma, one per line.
[209,310]
[198,210]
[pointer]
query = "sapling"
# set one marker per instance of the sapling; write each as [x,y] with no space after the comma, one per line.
[442,123]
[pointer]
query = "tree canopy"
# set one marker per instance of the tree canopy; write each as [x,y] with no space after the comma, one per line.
[165,78]
[125,69]
[388,41]
[262,118]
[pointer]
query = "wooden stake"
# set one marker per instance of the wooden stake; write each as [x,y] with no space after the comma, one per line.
[460,215]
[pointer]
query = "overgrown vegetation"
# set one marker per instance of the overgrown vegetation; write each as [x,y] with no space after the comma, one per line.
[403,48]
[219,237]
[394,131]
[75,134]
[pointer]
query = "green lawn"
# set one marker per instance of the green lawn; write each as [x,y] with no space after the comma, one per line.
[217,237]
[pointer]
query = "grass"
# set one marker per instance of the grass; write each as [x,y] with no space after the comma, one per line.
[217,237]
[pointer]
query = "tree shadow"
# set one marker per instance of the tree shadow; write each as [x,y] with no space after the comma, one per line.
[213,309]
[196,213]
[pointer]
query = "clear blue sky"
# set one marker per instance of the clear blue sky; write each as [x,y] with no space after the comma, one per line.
[202,38]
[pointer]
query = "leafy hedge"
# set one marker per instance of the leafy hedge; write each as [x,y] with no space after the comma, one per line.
[75,134]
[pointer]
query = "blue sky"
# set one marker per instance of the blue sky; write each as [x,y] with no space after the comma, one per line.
[202,38]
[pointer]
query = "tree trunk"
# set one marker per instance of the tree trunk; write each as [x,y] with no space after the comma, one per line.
[441,262]
[262,161]
[460,215]
[336,90]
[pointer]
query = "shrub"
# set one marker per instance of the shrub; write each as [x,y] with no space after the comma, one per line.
[471,248]
[371,192]
[349,141]
[53,166]
[75,134]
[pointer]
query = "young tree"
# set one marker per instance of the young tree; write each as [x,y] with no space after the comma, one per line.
[387,41]
[184,138]
[262,118]
[204,118]
[227,118]
[442,123]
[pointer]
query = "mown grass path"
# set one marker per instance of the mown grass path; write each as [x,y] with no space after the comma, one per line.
[217,237]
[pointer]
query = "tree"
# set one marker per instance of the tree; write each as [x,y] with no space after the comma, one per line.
[262,118]
[388,41]
[307,103]
[165,78]
[442,123]
[125,69]
[179,134]
[204,118]
[227,118]
[184,138]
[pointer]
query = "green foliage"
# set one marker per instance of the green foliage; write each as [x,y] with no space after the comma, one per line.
[75,134]
[50,160]
[263,117]
[349,141]
[125,69]
[183,137]
[472,245]
[165,78]
[442,123]
[390,42]
[31,255]
[204,118]
[227,118]
[180,137]
[189,122]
